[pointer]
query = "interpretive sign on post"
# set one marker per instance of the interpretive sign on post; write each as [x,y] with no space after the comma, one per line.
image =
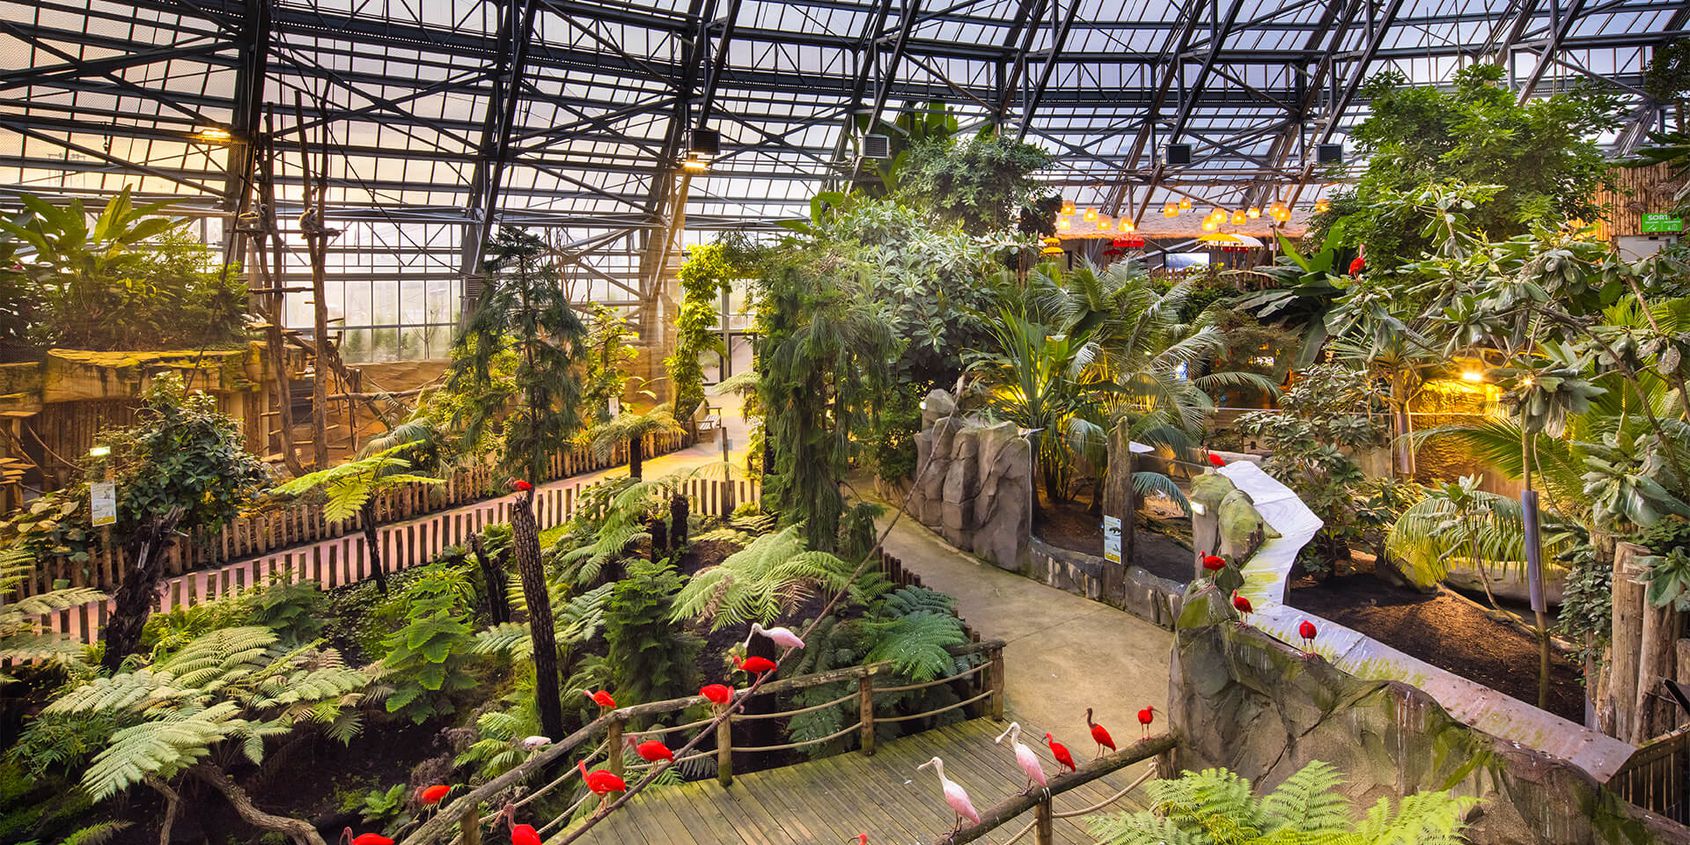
[1112,539]
[102,503]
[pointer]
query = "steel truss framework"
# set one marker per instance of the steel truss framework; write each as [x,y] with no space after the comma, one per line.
[450,116]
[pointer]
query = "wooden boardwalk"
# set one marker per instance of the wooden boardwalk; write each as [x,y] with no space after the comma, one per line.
[831,800]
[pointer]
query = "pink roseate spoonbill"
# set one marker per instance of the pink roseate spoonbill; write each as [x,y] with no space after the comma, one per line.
[1308,632]
[521,834]
[1243,606]
[602,698]
[1099,735]
[1213,563]
[346,838]
[754,665]
[717,694]
[955,795]
[1216,461]
[782,637]
[1060,752]
[601,782]
[1145,717]
[651,750]
[429,796]
[1024,758]
[529,743]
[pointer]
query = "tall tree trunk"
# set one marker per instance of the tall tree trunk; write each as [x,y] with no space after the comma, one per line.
[133,601]
[1656,713]
[372,542]
[525,547]
[493,576]
[678,516]
[1626,642]
[636,457]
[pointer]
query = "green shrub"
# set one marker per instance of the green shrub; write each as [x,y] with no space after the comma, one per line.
[424,659]
[651,658]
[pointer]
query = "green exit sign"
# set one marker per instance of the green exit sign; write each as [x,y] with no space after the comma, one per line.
[1659,223]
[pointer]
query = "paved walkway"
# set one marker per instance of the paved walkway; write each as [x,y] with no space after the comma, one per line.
[1064,654]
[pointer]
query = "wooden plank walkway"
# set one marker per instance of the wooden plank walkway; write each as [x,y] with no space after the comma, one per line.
[831,800]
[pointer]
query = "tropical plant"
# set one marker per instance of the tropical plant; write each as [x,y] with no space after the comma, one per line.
[135,279]
[610,519]
[424,660]
[651,658]
[1216,806]
[525,309]
[760,582]
[984,183]
[633,428]
[22,636]
[704,276]
[350,490]
[181,467]
[609,351]
[198,712]
[1457,521]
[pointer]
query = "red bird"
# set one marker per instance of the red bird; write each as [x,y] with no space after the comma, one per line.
[428,796]
[1099,735]
[1060,752]
[1214,563]
[651,750]
[521,834]
[600,783]
[1358,265]
[755,665]
[1145,717]
[521,486]
[601,698]
[346,838]
[1308,632]
[1242,605]
[1216,461]
[717,694]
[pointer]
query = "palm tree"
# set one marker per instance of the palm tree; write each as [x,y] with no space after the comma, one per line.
[1459,521]
[633,428]
[352,489]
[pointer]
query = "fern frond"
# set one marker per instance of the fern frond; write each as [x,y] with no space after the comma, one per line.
[131,692]
[98,833]
[1308,802]
[510,639]
[916,644]
[163,748]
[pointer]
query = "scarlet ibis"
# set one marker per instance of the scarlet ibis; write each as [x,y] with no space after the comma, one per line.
[521,834]
[428,796]
[529,743]
[754,665]
[1308,632]
[651,750]
[717,694]
[1060,752]
[346,838]
[783,637]
[1024,757]
[601,698]
[862,839]
[1358,265]
[1242,605]
[955,795]
[521,486]
[1099,735]
[1216,461]
[601,782]
[1145,717]
[1214,563]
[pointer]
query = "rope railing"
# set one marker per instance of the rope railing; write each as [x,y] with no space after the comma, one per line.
[1041,801]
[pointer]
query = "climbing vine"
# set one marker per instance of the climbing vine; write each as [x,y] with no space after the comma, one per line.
[703,276]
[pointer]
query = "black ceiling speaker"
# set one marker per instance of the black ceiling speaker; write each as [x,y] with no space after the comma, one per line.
[1177,154]
[1329,154]
[877,146]
[706,142]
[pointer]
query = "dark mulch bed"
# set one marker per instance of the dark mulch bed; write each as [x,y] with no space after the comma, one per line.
[1072,526]
[1445,631]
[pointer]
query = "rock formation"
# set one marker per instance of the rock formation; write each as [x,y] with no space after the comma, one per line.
[975,483]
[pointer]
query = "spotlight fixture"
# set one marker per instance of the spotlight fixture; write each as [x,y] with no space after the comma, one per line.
[214,135]
[99,451]
[1472,376]
[695,165]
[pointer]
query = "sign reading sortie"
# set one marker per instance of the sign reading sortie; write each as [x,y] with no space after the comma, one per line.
[1656,224]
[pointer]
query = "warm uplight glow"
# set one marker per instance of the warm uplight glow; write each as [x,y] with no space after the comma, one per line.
[1472,375]
[695,165]
[214,135]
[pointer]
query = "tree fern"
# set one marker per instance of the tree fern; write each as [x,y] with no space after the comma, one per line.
[98,833]
[160,748]
[22,639]
[1215,807]
[760,582]
[916,644]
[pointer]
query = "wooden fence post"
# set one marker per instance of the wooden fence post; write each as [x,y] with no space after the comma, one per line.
[725,751]
[613,745]
[469,826]
[997,681]
[865,712]
[1044,822]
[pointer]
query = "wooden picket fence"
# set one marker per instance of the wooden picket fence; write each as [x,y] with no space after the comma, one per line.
[294,524]
[1657,777]
[343,560]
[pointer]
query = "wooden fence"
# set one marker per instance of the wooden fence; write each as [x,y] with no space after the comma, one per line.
[292,524]
[1657,777]
[339,561]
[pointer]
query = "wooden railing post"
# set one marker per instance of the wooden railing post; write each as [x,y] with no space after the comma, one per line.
[725,751]
[1044,822]
[469,825]
[997,681]
[613,744]
[865,712]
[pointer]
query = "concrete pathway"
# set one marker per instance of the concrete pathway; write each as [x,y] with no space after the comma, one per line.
[1064,654]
